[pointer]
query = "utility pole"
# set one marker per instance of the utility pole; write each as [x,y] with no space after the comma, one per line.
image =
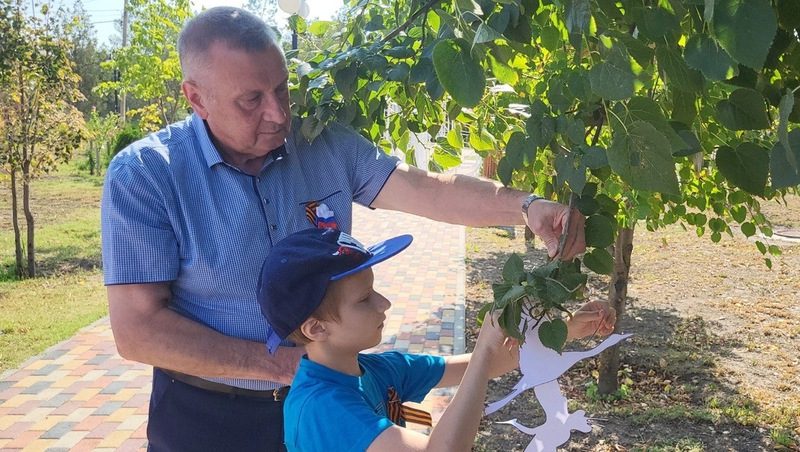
[123,111]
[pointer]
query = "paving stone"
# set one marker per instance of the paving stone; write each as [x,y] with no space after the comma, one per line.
[58,430]
[37,387]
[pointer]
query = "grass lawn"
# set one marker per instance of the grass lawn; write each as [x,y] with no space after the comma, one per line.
[38,313]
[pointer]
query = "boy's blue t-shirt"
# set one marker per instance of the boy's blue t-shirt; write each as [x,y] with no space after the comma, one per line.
[331,411]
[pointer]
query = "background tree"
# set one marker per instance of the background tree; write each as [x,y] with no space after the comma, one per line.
[149,67]
[100,132]
[40,126]
[87,56]
[635,112]
[265,9]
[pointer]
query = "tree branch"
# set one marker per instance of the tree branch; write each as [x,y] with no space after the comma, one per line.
[407,23]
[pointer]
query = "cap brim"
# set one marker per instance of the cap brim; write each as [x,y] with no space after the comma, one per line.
[380,252]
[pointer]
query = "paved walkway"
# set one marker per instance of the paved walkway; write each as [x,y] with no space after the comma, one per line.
[80,395]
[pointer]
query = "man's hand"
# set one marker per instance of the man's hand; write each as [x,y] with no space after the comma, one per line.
[548,220]
[594,317]
[285,362]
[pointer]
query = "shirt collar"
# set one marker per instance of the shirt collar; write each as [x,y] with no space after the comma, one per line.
[212,155]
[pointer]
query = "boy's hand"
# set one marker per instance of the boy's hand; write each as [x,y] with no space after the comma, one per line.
[491,336]
[594,317]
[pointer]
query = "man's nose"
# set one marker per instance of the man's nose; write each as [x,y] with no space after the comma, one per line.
[274,111]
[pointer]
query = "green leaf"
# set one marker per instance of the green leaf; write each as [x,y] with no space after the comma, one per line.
[514,293]
[514,269]
[541,129]
[612,81]
[504,171]
[551,38]
[745,167]
[657,24]
[641,156]
[739,213]
[320,27]
[485,33]
[422,71]
[784,174]
[481,140]
[510,320]
[745,109]
[599,231]
[789,14]
[460,75]
[578,14]
[684,107]
[704,54]
[469,6]
[647,110]
[708,10]
[454,136]
[516,149]
[745,29]
[553,334]
[748,229]
[785,110]
[691,142]
[594,157]
[599,261]
[398,73]
[503,72]
[675,72]
[345,79]
[446,157]
[570,169]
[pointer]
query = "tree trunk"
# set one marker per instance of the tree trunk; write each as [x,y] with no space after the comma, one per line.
[617,294]
[20,269]
[97,166]
[26,206]
[92,163]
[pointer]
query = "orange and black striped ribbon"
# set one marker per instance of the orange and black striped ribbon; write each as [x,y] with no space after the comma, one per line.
[400,414]
[311,212]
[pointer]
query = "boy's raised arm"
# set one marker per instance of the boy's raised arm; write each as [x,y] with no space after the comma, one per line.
[459,423]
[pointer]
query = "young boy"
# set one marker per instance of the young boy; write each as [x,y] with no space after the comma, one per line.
[316,290]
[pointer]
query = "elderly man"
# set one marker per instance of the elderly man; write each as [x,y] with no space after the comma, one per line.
[190,212]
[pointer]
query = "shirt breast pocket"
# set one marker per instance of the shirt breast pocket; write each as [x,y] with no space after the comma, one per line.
[333,210]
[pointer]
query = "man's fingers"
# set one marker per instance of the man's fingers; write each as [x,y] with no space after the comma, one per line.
[551,243]
[576,240]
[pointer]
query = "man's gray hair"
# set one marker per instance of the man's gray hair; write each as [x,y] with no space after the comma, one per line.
[237,28]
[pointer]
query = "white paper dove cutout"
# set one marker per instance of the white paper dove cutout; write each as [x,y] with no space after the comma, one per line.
[540,367]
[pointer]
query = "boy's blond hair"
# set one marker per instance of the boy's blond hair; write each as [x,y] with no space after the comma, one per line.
[328,310]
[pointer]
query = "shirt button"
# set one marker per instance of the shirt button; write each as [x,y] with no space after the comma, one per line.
[266,201]
[274,227]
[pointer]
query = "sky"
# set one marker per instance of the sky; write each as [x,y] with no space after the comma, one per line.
[105,12]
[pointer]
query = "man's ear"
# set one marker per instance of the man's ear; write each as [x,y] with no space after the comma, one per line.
[314,329]
[196,97]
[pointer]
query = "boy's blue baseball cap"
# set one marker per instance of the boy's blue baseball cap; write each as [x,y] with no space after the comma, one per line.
[298,269]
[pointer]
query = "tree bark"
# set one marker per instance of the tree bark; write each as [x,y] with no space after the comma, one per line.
[617,294]
[19,270]
[29,223]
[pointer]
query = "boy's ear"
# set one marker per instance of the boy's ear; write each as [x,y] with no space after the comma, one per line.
[314,329]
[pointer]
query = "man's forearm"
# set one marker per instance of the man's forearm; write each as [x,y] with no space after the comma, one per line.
[156,335]
[455,199]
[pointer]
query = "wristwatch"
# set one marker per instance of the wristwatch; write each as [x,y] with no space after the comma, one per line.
[527,203]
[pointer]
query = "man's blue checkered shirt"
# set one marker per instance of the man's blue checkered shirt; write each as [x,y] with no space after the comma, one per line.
[172,210]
